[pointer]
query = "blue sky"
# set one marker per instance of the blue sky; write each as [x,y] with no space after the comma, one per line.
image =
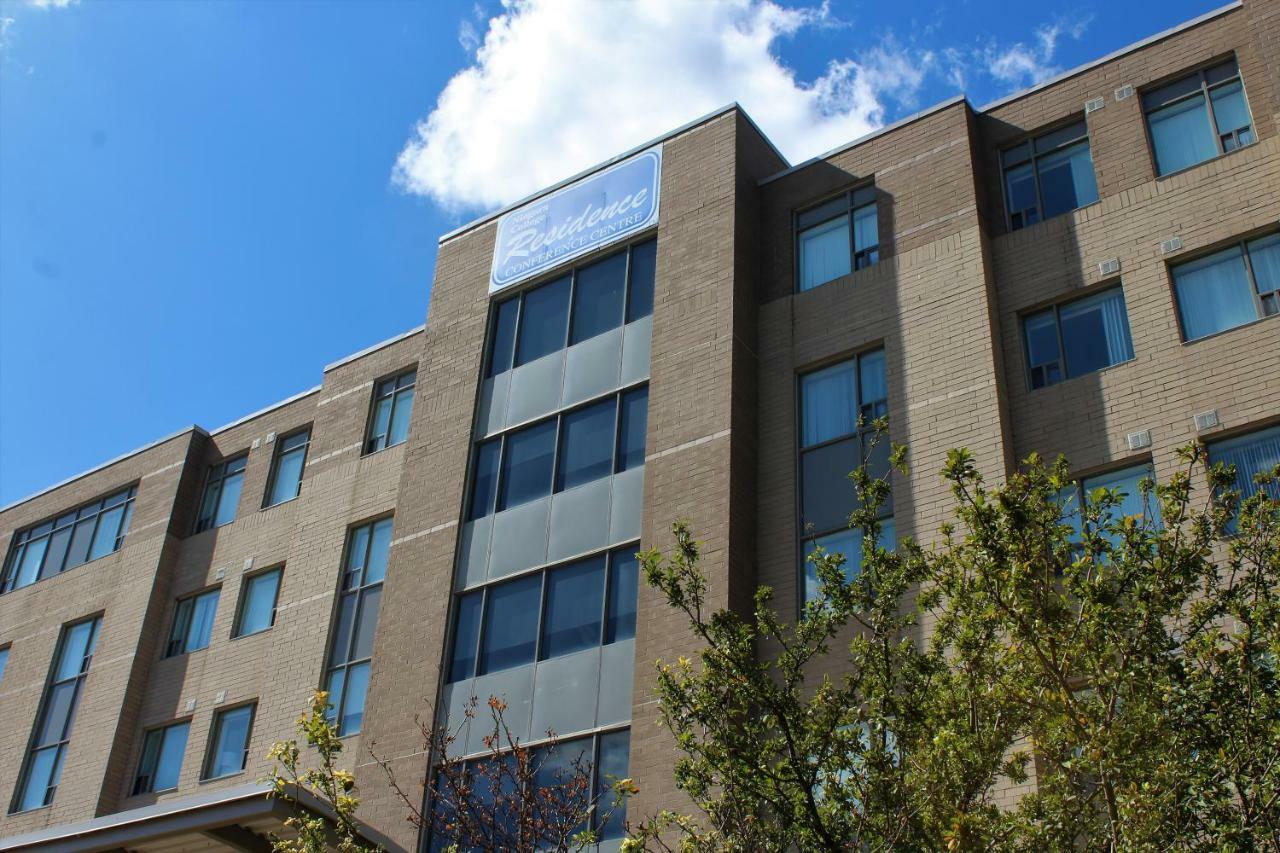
[202,203]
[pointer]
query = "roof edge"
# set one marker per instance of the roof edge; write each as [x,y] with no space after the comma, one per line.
[1115,54]
[866,137]
[394,339]
[492,215]
[265,409]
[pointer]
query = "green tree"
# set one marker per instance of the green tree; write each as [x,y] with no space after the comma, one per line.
[1130,660]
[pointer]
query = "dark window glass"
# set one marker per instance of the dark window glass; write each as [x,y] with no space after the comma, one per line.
[4,660]
[586,445]
[351,648]
[644,263]
[392,408]
[1077,338]
[161,761]
[42,767]
[612,766]
[631,428]
[502,345]
[221,494]
[828,495]
[193,623]
[597,297]
[286,468]
[624,573]
[229,749]
[258,603]
[545,316]
[1049,176]
[484,479]
[1197,118]
[511,624]
[574,605]
[466,634]
[527,465]
[47,549]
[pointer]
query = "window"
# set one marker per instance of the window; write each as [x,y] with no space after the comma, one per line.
[837,407]
[545,614]
[1048,175]
[1198,117]
[837,237]
[43,765]
[229,743]
[161,760]
[1252,454]
[351,654]
[75,537]
[1078,337]
[1229,288]
[392,406]
[847,542]
[1124,483]
[559,453]
[590,300]
[4,661]
[286,468]
[193,623]
[258,602]
[222,493]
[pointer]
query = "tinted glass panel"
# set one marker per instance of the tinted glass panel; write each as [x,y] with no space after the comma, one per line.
[231,738]
[258,611]
[379,548]
[104,539]
[173,745]
[202,613]
[1095,333]
[342,629]
[58,709]
[586,445]
[288,476]
[503,345]
[1213,294]
[527,465]
[357,685]
[484,486]
[466,633]
[1229,108]
[366,623]
[29,562]
[597,297]
[829,495]
[400,421]
[543,325]
[614,763]
[824,253]
[828,403]
[1020,185]
[631,431]
[1252,454]
[229,499]
[80,642]
[511,624]
[42,774]
[1067,180]
[4,660]
[574,605]
[81,540]
[1181,135]
[644,260]
[623,586]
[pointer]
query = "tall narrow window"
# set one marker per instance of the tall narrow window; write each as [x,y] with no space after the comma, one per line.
[502,340]
[73,538]
[43,765]
[193,623]
[837,407]
[258,602]
[351,652]
[4,661]
[632,426]
[1077,337]
[222,493]
[392,408]
[1049,175]
[161,760]
[1198,117]
[1229,288]
[837,237]
[286,467]
[229,744]
[624,574]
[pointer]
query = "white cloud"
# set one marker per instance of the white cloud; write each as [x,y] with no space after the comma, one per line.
[558,85]
[52,4]
[1025,65]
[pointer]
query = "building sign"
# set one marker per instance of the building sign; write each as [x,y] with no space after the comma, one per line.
[596,211]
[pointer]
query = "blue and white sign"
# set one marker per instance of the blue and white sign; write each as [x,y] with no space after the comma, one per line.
[598,210]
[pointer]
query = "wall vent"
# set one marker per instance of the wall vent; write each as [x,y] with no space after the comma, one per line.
[1138,440]
[1109,267]
[1094,104]
[220,574]
[248,564]
[191,705]
[1124,92]
[1173,244]
[256,444]
[271,436]
[1207,420]
[220,698]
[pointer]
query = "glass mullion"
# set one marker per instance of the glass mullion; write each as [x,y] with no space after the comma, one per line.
[1206,93]
[1258,305]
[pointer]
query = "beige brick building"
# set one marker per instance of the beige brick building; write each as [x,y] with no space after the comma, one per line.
[1088,267]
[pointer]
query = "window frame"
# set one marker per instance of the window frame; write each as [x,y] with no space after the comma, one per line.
[856,198]
[278,453]
[67,520]
[1033,158]
[246,582]
[1200,73]
[77,692]
[184,620]
[1056,307]
[135,790]
[487,369]
[215,478]
[1259,299]
[396,395]
[610,555]
[220,714]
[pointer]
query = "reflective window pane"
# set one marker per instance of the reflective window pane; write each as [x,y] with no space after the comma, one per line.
[342,630]
[828,403]
[828,494]
[597,297]
[286,480]
[203,609]
[511,624]
[56,554]
[229,499]
[379,550]
[1095,332]
[1251,454]
[1020,186]
[586,445]
[258,611]
[352,716]
[1264,258]
[502,345]
[1181,135]
[574,605]
[366,623]
[81,542]
[104,538]
[624,579]
[1042,349]
[466,633]
[1213,294]
[169,763]
[543,322]
[824,253]
[631,429]
[484,485]
[1229,108]
[1067,180]
[614,766]
[644,262]
[42,774]
[231,741]
[527,465]
[400,420]
[29,561]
